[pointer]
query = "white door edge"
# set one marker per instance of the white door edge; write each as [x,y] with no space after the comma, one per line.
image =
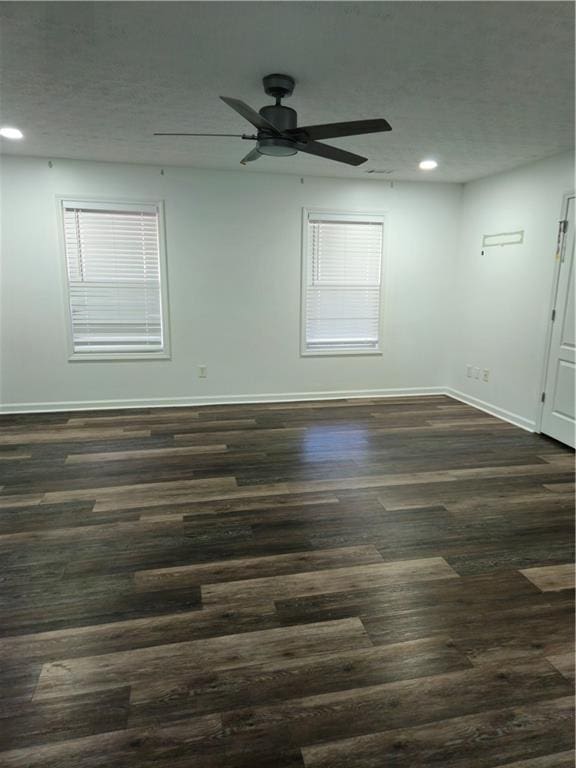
[551,305]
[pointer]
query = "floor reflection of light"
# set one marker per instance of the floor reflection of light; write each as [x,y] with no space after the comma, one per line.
[334,441]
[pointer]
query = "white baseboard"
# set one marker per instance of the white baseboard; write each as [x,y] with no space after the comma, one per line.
[493,410]
[274,397]
[174,402]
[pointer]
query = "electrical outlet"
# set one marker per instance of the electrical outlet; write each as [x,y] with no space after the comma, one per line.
[468,371]
[202,371]
[476,373]
[486,374]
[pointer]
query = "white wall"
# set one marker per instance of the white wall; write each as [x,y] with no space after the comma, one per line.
[233,248]
[502,298]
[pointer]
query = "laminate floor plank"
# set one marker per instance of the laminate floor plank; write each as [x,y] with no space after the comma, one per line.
[463,492]
[99,639]
[260,506]
[28,723]
[332,580]
[150,417]
[369,583]
[130,748]
[561,487]
[151,454]
[559,760]
[52,436]
[564,663]
[228,491]
[240,570]
[546,630]
[269,683]
[552,578]
[227,652]
[491,738]
[142,490]
[19,500]
[459,607]
[16,455]
[83,601]
[400,704]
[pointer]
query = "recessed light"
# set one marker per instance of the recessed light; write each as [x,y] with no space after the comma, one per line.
[428,165]
[11,133]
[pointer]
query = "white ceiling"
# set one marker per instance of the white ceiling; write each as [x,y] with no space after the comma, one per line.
[480,86]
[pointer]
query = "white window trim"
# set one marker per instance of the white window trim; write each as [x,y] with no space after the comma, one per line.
[106,204]
[329,215]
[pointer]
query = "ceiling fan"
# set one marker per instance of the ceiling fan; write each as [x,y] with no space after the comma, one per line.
[279,135]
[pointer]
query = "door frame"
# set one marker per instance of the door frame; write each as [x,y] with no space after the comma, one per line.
[551,305]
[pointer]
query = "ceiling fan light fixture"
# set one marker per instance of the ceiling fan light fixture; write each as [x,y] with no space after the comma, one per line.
[276,147]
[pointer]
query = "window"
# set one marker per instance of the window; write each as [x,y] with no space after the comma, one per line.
[342,278]
[116,280]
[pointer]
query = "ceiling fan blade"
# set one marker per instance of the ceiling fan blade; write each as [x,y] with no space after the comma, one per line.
[330,153]
[250,114]
[234,135]
[252,155]
[334,130]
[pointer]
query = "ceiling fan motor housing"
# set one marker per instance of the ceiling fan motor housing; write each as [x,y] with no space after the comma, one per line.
[282,118]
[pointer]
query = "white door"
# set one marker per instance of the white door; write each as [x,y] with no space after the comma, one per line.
[559,394]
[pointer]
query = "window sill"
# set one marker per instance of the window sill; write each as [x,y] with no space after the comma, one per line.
[339,352]
[117,357]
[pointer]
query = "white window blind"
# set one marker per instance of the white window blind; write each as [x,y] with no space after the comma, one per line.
[114,278]
[343,274]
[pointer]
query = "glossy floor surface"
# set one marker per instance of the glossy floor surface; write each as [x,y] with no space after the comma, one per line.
[369,584]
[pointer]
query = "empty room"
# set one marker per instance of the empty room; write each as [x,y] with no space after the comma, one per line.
[287,405]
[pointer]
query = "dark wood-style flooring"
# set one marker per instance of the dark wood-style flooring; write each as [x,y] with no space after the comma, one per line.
[359,584]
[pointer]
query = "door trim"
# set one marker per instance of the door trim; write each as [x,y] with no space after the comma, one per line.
[551,304]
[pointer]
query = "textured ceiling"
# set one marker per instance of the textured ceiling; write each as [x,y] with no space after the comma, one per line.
[480,86]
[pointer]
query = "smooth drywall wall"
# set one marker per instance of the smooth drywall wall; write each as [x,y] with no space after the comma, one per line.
[234,254]
[502,295]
